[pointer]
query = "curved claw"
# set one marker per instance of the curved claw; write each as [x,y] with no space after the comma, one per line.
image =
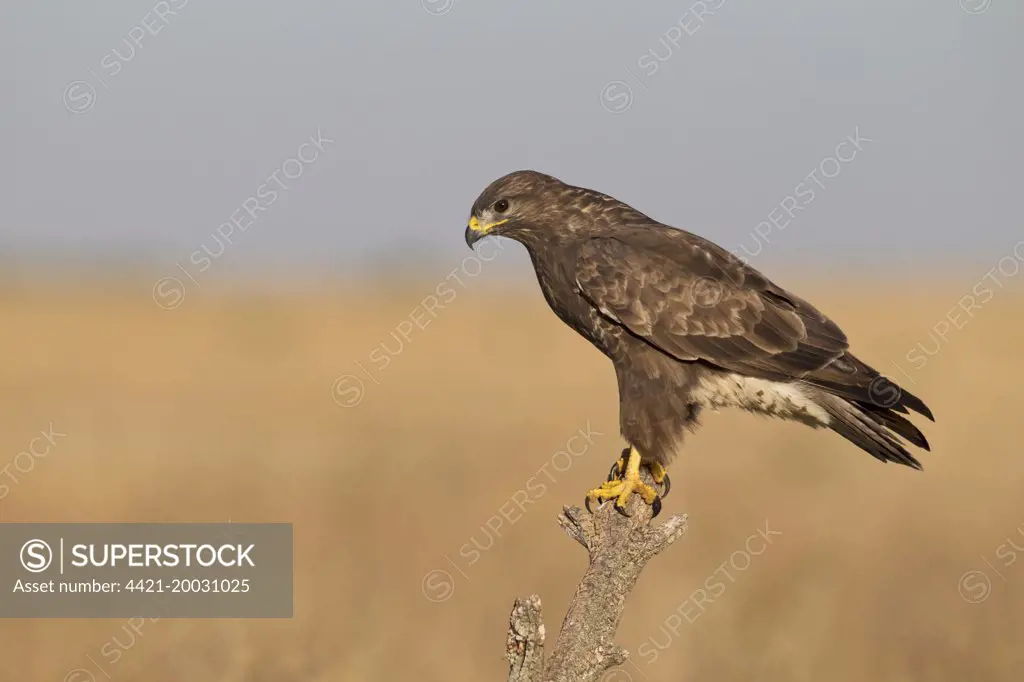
[621,510]
[586,503]
[620,466]
[668,486]
[656,506]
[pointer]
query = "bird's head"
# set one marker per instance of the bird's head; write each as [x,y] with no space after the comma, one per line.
[512,206]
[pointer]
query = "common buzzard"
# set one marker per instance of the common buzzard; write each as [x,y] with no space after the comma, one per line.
[687,326]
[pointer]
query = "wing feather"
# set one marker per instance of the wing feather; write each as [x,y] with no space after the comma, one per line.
[695,301]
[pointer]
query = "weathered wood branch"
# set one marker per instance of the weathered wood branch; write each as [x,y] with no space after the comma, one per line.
[619,549]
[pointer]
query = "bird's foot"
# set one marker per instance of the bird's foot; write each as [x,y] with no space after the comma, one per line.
[660,476]
[624,480]
[658,472]
[619,467]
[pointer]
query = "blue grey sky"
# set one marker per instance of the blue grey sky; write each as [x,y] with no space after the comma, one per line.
[139,127]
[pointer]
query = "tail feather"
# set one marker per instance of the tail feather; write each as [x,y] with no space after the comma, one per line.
[896,423]
[851,379]
[908,399]
[879,392]
[867,428]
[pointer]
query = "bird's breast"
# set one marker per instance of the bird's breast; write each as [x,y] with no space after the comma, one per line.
[566,301]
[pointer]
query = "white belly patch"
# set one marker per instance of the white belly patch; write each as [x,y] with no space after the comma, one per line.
[777,399]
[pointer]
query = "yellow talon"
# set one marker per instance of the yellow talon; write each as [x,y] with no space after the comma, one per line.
[628,483]
[619,466]
[660,476]
[659,472]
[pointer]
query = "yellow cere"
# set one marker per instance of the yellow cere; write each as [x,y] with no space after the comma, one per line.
[475,225]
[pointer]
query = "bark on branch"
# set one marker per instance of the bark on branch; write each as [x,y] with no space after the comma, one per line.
[619,549]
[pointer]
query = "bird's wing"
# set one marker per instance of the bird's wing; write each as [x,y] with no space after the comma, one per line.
[696,301]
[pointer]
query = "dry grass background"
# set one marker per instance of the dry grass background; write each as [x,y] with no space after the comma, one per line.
[222,408]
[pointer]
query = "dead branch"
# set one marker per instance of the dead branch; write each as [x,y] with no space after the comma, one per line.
[619,549]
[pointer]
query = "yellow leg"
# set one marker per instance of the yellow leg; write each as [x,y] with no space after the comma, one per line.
[621,488]
[658,472]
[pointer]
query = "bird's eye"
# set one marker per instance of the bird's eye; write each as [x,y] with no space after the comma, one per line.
[501,205]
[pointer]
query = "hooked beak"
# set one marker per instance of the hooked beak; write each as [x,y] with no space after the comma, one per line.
[476,231]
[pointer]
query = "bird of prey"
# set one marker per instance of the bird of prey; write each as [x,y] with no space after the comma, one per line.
[687,326]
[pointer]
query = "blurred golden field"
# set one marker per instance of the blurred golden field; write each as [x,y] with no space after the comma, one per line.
[416,502]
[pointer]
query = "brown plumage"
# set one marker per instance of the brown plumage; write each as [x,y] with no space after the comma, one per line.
[688,325]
